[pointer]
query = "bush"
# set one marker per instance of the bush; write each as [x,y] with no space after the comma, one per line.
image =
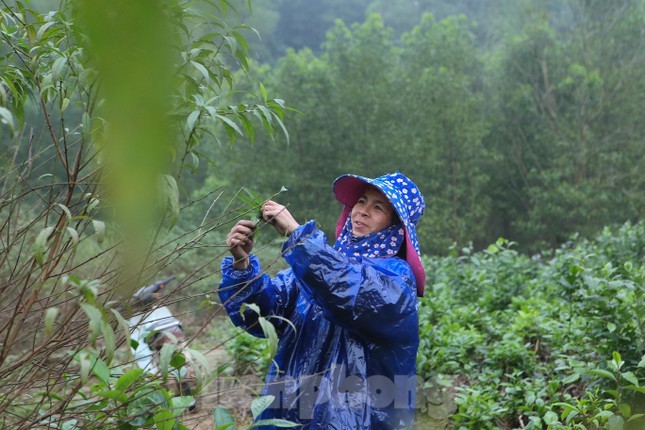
[525,335]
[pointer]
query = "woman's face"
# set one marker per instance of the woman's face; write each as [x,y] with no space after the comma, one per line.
[371,213]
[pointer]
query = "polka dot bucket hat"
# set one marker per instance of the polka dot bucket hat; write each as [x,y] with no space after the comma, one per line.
[406,199]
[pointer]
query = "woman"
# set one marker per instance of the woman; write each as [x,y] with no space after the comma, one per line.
[346,358]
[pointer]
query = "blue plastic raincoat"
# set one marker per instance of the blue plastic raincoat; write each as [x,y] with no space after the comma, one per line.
[350,362]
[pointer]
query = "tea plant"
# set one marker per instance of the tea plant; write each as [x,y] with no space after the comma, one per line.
[523,336]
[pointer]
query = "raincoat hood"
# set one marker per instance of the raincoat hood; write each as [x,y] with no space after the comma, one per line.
[407,201]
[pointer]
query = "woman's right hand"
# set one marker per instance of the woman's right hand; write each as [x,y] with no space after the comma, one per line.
[240,243]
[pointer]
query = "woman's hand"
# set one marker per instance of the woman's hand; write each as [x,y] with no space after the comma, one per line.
[240,243]
[279,217]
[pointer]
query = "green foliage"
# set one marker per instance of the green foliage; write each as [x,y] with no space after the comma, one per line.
[526,337]
[225,421]
[99,128]
[513,123]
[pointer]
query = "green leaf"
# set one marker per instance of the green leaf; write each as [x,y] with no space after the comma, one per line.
[602,373]
[192,119]
[84,362]
[180,403]
[615,422]
[642,362]
[248,127]
[164,420]
[127,379]
[124,325]
[259,404]
[550,418]
[170,195]
[223,419]
[6,117]
[178,360]
[117,395]
[73,234]
[87,125]
[44,28]
[267,328]
[101,370]
[99,230]
[229,122]
[202,70]
[264,92]
[625,410]
[96,320]
[40,244]
[50,318]
[275,422]
[571,378]
[165,355]
[630,377]
[58,68]
[617,362]
[108,340]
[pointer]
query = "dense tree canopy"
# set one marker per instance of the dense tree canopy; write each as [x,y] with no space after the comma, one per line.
[532,134]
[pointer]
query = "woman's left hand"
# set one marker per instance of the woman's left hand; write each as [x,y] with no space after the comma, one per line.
[279,217]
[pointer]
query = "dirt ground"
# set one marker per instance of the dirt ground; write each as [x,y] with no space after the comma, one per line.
[232,393]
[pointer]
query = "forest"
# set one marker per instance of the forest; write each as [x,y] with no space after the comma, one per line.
[134,135]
